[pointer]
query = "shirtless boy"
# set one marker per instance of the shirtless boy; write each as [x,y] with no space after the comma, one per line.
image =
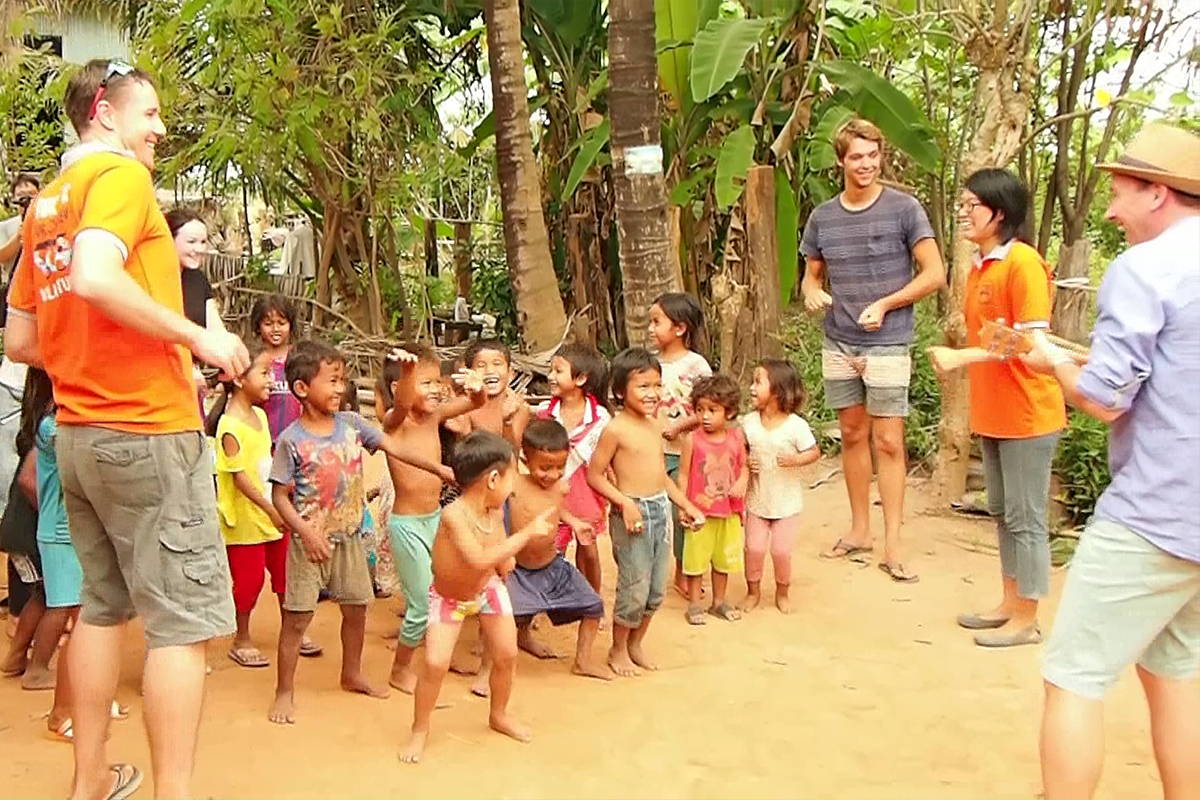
[414,376]
[640,519]
[471,556]
[544,581]
[505,413]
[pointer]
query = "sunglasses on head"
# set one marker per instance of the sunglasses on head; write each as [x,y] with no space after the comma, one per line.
[115,69]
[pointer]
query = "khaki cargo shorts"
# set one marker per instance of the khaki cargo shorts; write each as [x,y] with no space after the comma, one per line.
[1125,602]
[344,575]
[143,519]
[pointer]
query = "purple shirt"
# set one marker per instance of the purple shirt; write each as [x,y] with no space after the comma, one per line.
[282,407]
[1145,361]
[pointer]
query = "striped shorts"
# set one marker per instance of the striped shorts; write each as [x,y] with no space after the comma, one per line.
[873,375]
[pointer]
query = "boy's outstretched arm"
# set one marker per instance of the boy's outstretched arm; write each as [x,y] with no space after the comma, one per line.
[476,397]
[404,390]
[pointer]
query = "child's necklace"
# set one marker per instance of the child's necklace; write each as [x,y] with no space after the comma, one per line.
[473,518]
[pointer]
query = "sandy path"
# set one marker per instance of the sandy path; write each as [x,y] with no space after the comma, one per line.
[869,690]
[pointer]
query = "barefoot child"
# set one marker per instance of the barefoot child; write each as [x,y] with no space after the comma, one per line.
[780,444]
[712,470]
[506,413]
[579,385]
[320,454]
[420,408]
[676,327]
[250,525]
[471,555]
[544,581]
[640,520]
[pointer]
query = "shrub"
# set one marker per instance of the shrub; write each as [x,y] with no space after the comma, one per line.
[1082,464]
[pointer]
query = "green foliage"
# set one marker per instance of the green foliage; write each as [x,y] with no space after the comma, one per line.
[1082,464]
[736,156]
[31,120]
[719,52]
[492,292]
[676,23]
[903,124]
[787,236]
[590,146]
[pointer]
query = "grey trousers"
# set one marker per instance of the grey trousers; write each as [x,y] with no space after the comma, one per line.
[1017,472]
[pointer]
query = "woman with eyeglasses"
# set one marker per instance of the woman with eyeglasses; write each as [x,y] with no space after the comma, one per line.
[1016,412]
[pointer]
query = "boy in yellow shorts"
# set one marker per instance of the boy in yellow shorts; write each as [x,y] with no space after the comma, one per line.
[712,471]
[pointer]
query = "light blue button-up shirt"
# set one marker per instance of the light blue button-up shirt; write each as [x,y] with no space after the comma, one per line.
[1145,361]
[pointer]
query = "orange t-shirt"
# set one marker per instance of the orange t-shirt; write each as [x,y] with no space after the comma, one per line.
[1009,400]
[105,374]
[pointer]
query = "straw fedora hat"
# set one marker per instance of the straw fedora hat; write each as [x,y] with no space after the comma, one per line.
[1162,154]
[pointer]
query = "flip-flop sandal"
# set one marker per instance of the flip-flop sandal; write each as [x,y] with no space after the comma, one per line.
[129,778]
[897,573]
[694,615]
[1030,635]
[310,649]
[843,550]
[248,657]
[118,711]
[65,732]
[726,612]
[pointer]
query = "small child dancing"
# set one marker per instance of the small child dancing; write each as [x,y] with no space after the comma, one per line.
[471,557]
[712,470]
[320,455]
[640,519]
[780,444]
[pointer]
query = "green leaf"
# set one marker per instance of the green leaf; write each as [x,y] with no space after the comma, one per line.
[735,158]
[782,9]
[691,187]
[821,155]
[570,20]
[902,122]
[719,53]
[675,24]
[787,230]
[1181,99]
[593,142]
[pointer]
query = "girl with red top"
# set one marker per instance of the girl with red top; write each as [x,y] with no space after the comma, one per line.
[579,386]
[712,471]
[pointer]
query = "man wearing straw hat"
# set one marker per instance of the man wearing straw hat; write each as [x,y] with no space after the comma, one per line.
[1133,591]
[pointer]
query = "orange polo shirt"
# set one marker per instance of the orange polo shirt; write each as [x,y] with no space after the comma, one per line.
[104,374]
[1009,400]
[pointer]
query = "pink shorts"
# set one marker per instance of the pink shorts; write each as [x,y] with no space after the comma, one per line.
[492,601]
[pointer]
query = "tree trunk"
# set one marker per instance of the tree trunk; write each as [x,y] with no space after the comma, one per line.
[431,248]
[462,258]
[1071,305]
[540,313]
[643,230]
[1003,114]
[762,268]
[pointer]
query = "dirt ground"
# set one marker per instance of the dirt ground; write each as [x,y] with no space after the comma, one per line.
[868,690]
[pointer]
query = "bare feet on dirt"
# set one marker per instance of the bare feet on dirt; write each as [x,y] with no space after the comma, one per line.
[622,664]
[37,679]
[526,642]
[405,680]
[588,670]
[415,748]
[638,656]
[503,723]
[283,710]
[357,684]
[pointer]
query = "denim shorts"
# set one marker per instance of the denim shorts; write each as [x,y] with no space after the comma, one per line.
[642,560]
[143,519]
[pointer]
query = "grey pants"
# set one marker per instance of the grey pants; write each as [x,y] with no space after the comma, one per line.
[1017,472]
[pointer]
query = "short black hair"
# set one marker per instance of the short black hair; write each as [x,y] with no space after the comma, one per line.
[269,303]
[479,345]
[785,383]
[721,389]
[683,309]
[305,360]
[547,435]
[586,360]
[392,370]
[1003,193]
[628,363]
[478,453]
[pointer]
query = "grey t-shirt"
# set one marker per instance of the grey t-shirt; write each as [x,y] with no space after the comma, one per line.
[868,255]
[8,228]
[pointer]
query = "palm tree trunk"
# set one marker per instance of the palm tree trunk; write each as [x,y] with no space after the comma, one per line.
[540,313]
[643,227]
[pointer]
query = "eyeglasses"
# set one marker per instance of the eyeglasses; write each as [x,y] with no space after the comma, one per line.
[115,69]
[968,206]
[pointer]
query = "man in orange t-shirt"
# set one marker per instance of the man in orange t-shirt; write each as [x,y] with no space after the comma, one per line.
[96,300]
[1016,412]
